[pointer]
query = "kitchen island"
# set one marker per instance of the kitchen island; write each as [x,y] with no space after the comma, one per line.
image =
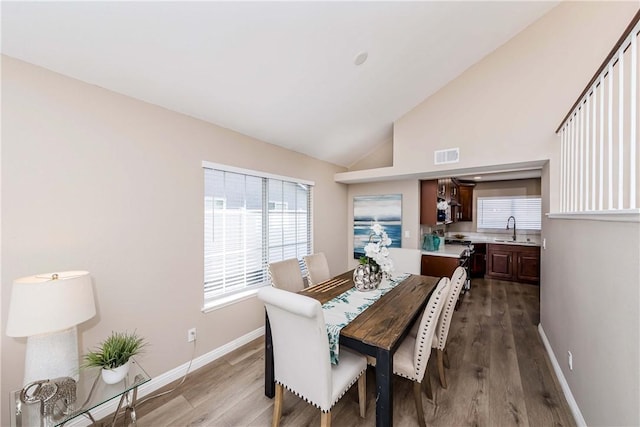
[444,261]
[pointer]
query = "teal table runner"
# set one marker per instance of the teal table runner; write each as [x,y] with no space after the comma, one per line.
[341,310]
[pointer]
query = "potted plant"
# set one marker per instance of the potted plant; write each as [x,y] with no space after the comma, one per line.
[113,355]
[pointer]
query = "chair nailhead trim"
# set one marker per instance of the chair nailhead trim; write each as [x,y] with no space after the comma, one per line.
[315,404]
[447,312]
[419,368]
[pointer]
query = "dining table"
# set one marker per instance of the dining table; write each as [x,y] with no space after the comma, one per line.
[377,331]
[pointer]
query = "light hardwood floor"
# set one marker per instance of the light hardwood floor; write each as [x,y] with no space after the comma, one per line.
[500,375]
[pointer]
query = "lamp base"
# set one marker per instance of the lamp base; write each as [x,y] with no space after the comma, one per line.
[52,356]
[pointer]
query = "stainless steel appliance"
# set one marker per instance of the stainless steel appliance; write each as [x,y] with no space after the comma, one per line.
[465,260]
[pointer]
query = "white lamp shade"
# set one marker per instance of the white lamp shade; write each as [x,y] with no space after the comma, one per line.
[41,304]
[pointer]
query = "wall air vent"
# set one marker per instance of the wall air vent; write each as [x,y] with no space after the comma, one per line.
[451,155]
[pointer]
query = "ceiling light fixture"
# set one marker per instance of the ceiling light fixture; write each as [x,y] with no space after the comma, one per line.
[477,177]
[361,58]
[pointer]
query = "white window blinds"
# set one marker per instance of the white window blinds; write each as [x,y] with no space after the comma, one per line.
[493,212]
[250,221]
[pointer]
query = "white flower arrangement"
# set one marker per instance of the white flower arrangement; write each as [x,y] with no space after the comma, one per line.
[376,251]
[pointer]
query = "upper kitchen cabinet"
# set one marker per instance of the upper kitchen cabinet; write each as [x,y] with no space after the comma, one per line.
[465,198]
[458,198]
[428,202]
[433,193]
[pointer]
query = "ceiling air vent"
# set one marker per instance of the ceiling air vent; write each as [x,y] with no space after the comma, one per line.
[451,155]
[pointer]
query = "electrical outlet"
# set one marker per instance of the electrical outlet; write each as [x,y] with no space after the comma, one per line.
[570,360]
[191,335]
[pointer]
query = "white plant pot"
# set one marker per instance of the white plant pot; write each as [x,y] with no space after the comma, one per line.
[115,375]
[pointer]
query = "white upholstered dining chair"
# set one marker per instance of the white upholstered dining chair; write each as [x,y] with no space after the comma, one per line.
[286,275]
[317,268]
[405,260]
[412,356]
[442,330]
[301,355]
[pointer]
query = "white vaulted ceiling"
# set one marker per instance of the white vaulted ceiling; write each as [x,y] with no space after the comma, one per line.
[282,72]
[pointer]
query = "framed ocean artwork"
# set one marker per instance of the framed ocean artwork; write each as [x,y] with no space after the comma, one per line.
[386,210]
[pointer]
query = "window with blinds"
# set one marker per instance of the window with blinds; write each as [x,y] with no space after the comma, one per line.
[251,220]
[493,212]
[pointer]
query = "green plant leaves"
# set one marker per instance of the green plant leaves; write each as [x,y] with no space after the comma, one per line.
[115,350]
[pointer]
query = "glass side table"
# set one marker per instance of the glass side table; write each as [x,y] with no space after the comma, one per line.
[91,392]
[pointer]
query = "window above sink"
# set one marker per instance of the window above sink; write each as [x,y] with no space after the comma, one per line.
[493,212]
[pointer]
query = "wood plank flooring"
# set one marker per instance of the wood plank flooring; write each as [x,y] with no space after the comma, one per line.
[500,375]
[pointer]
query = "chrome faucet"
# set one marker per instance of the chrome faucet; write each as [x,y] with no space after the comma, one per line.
[514,226]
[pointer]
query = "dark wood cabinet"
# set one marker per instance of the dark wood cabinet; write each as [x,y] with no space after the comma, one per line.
[458,196]
[528,265]
[465,199]
[432,192]
[514,263]
[438,266]
[499,262]
[479,260]
[428,202]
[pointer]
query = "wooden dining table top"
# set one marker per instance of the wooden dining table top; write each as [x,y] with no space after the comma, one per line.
[387,320]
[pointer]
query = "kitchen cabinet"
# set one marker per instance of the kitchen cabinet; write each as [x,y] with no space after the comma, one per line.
[428,202]
[465,198]
[449,188]
[479,260]
[499,262]
[438,266]
[528,265]
[453,189]
[432,192]
[459,198]
[514,263]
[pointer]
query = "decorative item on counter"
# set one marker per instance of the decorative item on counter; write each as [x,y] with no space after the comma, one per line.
[442,210]
[427,242]
[431,242]
[376,262]
[113,355]
[436,242]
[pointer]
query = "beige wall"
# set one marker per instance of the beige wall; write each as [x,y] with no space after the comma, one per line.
[505,108]
[589,300]
[98,181]
[510,188]
[410,191]
[381,157]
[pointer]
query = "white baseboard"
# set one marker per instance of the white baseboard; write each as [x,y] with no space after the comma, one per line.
[573,405]
[170,376]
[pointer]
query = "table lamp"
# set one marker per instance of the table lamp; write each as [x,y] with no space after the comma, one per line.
[46,308]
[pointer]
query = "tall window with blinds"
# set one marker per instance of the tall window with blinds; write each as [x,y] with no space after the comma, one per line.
[249,221]
[493,212]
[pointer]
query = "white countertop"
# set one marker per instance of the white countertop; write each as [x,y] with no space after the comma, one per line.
[452,251]
[517,242]
[502,239]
